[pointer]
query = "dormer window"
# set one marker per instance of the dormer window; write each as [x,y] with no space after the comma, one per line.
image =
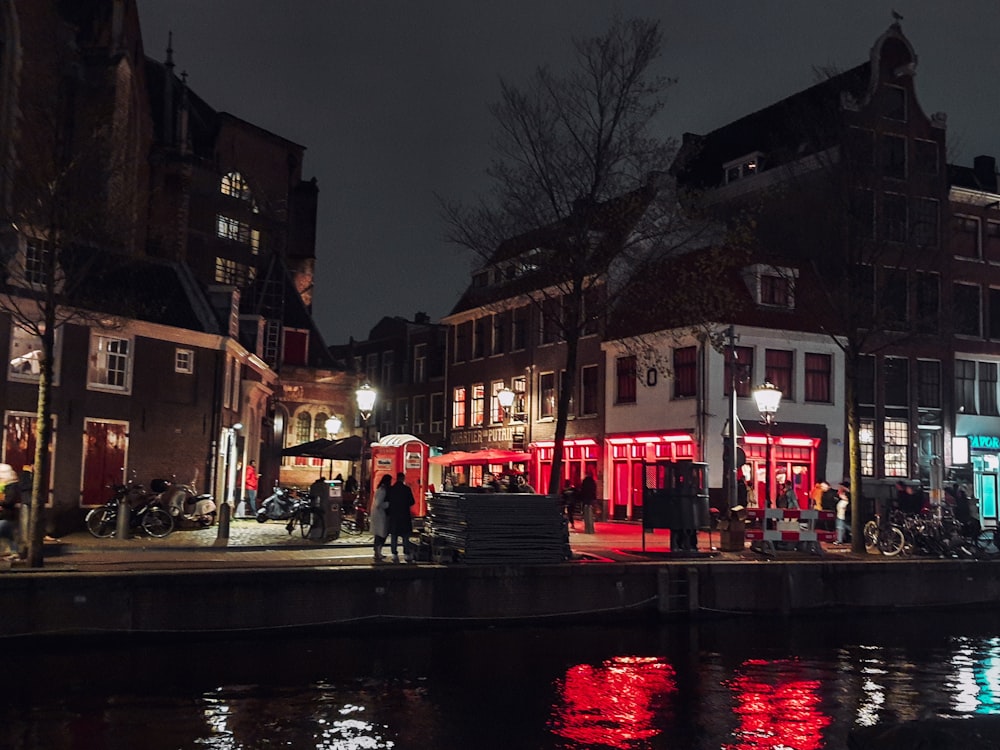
[740,169]
[771,286]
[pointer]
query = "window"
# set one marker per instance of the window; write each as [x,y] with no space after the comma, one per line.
[742,168]
[988,389]
[235,230]
[437,413]
[925,157]
[110,363]
[863,214]
[463,336]
[419,363]
[496,411]
[685,372]
[925,222]
[897,381]
[480,337]
[778,368]
[743,370]
[965,386]
[36,262]
[895,103]
[893,150]
[895,227]
[387,363]
[519,325]
[499,333]
[589,390]
[866,441]
[419,414]
[402,415]
[547,395]
[775,290]
[965,236]
[819,369]
[234,185]
[993,320]
[303,427]
[458,407]
[893,299]
[519,408]
[478,405]
[550,321]
[861,146]
[231,273]
[25,361]
[319,426]
[386,424]
[928,301]
[929,383]
[896,434]
[965,303]
[371,368]
[625,380]
[184,361]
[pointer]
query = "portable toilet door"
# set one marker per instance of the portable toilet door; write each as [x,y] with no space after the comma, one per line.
[408,454]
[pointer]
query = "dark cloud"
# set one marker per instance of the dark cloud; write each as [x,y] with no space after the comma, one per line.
[391,97]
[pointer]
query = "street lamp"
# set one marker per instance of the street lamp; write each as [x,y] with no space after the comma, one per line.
[332,426]
[505,397]
[365,398]
[768,398]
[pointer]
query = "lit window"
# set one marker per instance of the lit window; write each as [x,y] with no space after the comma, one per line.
[229,228]
[458,407]
[184,361]
[897,441]
[110,363]
[36,262]
[478,404]
[235,186]
[232,273]
[866,440]
[547,395]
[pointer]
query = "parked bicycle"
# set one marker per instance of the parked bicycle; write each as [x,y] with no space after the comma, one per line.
[356,522]
[146,514]
[935,535]
[308,516]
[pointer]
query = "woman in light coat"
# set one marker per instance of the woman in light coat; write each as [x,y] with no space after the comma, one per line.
[379,522]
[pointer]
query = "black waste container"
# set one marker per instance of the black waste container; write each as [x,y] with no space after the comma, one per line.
[675,497]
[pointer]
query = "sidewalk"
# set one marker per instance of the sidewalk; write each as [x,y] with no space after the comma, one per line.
[255,545]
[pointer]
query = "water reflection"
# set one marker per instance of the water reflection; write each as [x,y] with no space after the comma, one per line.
[799,684]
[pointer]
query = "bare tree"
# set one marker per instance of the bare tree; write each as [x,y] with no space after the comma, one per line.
[582,204]
[71,197]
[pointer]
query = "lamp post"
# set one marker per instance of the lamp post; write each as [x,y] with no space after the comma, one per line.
[505,397]
[332,427]
[365,398]
[767,396]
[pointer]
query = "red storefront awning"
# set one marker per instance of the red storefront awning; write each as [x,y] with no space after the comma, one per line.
[484,456]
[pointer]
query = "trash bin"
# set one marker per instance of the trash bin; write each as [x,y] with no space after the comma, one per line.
[732,530]
[675,497]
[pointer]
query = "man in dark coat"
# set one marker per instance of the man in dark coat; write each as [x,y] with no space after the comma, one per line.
[400,499]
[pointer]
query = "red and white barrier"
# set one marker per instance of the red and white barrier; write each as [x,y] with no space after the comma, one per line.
[788,524]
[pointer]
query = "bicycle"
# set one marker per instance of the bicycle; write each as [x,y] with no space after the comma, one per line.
[887,537]
[151,518]
[309,518]
[355,523]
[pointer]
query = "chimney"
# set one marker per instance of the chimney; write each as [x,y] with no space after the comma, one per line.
[421,317]
[985,168]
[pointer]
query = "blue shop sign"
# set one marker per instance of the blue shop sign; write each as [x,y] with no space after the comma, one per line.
[984,442]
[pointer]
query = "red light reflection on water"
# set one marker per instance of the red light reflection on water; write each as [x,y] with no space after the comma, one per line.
[776,708]
[613,704]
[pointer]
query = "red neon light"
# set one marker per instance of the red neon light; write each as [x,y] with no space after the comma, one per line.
[643,439]
[574,441]
[793,442]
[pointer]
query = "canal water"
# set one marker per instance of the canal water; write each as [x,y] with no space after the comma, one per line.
[733,684]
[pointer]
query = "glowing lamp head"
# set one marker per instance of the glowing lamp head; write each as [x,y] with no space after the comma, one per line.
[768,398]
[365,396]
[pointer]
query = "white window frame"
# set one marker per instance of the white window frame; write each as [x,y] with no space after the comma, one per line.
[184,361]
[100,356]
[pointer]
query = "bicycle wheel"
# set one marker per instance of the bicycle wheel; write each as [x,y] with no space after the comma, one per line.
[870,535]
[349,526]
[309,519]
[101,522]
[987,543]
[157,522]
[891,541]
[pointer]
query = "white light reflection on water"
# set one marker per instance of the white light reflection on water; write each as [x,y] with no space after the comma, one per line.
[976,682]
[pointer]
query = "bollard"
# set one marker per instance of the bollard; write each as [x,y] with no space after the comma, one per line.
[224,512]
[123,528]
[588,519]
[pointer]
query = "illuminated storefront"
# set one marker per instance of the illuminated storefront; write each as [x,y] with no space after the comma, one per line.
[792,458]
[979,455]
[580,455]
[626,454]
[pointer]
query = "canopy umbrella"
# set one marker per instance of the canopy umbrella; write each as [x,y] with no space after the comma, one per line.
[484,456]
[345,449]
[312,449]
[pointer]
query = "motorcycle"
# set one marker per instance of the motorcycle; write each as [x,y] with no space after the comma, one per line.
[184,504]
[278,506]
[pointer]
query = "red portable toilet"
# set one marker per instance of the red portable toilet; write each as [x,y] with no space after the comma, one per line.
[402,453]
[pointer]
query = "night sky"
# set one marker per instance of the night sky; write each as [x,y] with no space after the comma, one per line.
[390,98]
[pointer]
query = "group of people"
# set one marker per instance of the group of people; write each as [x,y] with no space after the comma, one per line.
[390,517]
[575,499]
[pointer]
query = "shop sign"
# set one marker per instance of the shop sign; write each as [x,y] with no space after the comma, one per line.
[412,460]
[984,442]
[483,436]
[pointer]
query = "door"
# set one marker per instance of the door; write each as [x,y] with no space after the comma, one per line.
[105,453]
[986,493]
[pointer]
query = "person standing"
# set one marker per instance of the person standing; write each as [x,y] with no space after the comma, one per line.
[10,507]
[843,504]
[588,493]
[379,520]
[250,480]
[400,499]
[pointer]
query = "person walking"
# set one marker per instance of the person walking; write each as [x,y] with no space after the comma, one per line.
[400,498]
[250,480]
[379,520]
[10,507]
